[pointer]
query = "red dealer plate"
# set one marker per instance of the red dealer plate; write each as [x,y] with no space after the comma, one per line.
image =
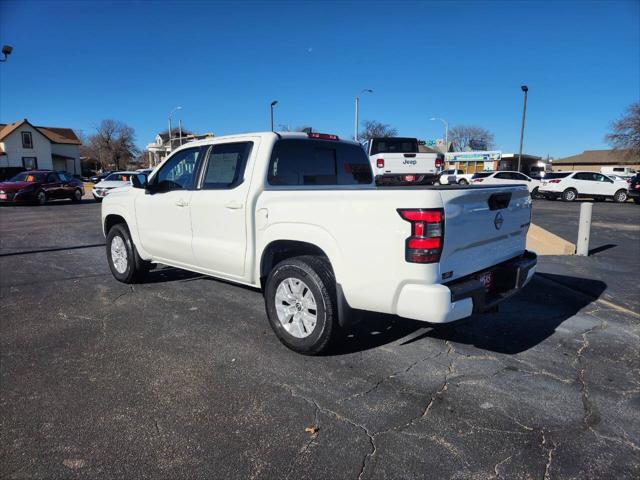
[487,280]
[3,196]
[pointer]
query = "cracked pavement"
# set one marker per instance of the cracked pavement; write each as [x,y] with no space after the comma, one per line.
[181,377]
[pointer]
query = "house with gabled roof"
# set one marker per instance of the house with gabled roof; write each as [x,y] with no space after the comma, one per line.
[25,145]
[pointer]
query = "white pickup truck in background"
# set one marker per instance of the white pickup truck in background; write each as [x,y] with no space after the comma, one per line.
[397,160]
[300,217]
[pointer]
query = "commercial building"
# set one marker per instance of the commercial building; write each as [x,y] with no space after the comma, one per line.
[594,160]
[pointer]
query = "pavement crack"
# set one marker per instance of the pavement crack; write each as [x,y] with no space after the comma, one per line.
[496,473]
[550,451]
[341,418]
[390,376]
[123,294]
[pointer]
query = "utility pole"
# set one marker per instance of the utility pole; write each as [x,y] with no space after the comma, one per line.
[525,89]
[273,104]
[446,132]
[170,131]
[355,127]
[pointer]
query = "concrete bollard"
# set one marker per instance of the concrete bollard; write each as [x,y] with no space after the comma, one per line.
[584,229]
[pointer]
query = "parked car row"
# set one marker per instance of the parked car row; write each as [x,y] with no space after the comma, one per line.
[571,185]
[40,186]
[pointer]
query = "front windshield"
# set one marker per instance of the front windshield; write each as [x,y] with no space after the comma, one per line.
[119,177]
[27,177]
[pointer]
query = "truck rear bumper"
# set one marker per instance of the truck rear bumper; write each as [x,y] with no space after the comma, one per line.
[459,299]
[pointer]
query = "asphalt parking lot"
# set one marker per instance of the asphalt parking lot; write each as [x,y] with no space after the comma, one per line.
[181,377]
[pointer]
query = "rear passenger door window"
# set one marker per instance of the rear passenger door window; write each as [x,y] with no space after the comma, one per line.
[226,165]
[300,162]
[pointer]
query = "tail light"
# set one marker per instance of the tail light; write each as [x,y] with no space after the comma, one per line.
[555,180]
[477,180]
[427,234]
[438,162]
[409,178]
[380,163]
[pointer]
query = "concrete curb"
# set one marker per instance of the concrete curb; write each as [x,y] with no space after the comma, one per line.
[543,242]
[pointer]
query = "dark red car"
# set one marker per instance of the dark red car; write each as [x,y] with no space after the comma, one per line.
[40,186]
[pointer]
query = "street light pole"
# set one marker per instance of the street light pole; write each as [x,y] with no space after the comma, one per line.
[525,89]
[446,132]
[273,104]
[6,51]
[355,136]
[170,132]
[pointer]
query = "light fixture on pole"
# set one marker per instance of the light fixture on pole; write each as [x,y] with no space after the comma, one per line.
[6,51]
[355,135]
[446,132]
[525,89]
[273,104]
[170,131]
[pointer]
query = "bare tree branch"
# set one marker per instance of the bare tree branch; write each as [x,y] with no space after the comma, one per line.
[471,137]
[626,131]
[375,129]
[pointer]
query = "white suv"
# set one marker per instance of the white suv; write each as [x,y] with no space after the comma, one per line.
[507,178]
[571,185]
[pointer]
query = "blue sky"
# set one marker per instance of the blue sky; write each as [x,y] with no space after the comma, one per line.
[76,63]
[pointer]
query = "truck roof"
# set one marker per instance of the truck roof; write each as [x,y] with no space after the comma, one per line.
[299,135]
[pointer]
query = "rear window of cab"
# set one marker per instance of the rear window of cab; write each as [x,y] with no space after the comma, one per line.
[318,162]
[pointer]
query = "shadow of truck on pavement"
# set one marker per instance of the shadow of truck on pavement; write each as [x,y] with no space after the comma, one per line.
[522,322]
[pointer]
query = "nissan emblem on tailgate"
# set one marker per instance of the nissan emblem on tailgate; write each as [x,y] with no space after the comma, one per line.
[498,221]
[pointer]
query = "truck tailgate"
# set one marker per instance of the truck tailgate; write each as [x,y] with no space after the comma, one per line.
[407,163]
[483,227]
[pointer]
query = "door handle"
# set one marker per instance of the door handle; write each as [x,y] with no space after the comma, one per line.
[234,205]
[182,203]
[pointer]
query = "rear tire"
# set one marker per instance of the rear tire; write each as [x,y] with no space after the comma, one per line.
[300,299]
[569,195]
[535,194]
[77,196]
[462,181]
[124,262]
[620,196]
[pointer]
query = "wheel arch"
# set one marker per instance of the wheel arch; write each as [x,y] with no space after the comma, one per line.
[278,250]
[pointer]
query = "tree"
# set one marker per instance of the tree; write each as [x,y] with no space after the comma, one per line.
[626,131]
[176,132]
[113,144]
[287,128]
[373,128]
[471,137]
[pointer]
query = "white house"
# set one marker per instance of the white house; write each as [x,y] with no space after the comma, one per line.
[163,146]
[25,145]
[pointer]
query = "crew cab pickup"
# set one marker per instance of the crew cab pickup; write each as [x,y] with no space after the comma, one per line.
[397,160]
[299,216]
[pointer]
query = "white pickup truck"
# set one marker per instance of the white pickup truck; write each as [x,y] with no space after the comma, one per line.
[398,161]
[300,217]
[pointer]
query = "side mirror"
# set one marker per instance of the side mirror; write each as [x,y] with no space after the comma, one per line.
[139,181]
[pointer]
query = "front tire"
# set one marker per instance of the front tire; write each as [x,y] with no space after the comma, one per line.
[620,196]
[41,197]
[462,181]
[124,262]
[300,299]
[569,195]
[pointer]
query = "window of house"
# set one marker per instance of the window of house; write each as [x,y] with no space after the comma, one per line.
[27,141]
[311,162]
[30,163]
[226,165]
